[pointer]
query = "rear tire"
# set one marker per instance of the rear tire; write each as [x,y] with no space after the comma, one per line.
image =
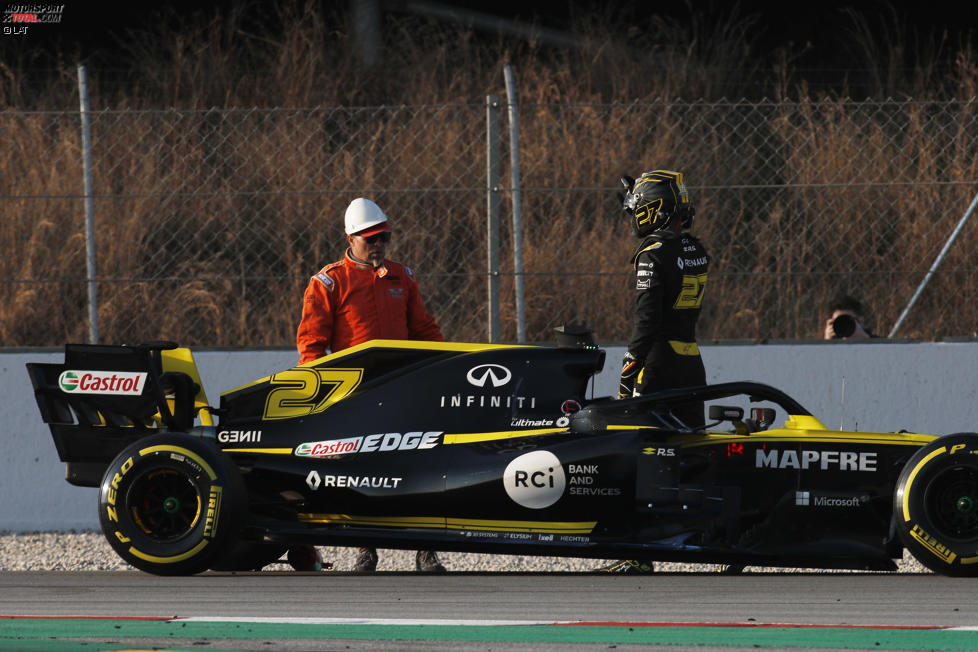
[171,503]
[935,505]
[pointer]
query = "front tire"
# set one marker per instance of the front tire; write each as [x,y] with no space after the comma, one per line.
[171,503]
[935,505]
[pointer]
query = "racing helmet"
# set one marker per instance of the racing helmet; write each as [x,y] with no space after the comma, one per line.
[362,214]
[655,199]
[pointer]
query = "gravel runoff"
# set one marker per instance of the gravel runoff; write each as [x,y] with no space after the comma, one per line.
[89,551]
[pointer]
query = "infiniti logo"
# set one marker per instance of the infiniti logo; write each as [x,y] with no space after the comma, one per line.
[498,374]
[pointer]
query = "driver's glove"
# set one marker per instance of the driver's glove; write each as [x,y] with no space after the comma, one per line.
[629,372]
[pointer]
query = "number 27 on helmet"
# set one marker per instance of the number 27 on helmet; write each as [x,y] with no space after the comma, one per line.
[654,199]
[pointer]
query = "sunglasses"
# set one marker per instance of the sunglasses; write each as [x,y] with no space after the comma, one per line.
[384,237]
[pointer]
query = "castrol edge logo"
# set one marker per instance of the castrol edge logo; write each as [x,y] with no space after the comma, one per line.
[118,383]
[386,441]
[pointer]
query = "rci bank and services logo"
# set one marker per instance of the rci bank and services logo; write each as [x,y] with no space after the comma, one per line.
[535,480]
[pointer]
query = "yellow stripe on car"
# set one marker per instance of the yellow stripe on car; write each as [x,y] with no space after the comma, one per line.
[475,437]
[380,521]
[182,360]
[563,527]
[566,527]
[461,347]
[686,440]
[260,451]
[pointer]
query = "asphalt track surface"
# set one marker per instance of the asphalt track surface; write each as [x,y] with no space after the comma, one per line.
[75,611]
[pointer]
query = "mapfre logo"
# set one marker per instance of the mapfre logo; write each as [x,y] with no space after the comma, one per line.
[117,383]
[484,374]
[535,480]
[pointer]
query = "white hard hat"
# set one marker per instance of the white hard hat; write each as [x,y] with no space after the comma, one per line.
[362,214]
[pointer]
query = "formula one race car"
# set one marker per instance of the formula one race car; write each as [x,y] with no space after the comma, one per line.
[488,448]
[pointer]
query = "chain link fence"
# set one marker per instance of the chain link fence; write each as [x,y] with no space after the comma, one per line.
[209,223]
[796,202]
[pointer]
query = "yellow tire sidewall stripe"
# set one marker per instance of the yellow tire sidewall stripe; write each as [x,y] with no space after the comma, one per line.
[165,448]
[913,476]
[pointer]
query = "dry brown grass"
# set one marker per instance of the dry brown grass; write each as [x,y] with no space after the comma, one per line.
[211,221]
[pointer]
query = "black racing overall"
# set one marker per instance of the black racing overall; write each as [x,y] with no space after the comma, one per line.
[670,280]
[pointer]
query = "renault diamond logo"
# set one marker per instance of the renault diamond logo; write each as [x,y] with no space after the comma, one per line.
[498,374]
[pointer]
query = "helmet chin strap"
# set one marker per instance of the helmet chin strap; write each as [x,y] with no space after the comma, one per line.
[671,225]
[674,223]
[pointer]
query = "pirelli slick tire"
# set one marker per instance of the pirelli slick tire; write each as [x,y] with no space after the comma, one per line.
[935,505]
[171,504]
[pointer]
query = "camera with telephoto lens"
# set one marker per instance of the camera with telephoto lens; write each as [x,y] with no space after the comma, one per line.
[844,326]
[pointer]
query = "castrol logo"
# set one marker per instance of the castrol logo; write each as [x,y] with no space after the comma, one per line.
[112,383]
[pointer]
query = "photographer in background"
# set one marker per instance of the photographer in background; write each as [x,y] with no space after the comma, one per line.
[846,320]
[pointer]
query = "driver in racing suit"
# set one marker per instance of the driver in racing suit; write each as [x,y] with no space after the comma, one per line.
[670,267]
[670,279]
[363,297]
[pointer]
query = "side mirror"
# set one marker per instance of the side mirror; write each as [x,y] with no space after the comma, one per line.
[724,413]
[760,418]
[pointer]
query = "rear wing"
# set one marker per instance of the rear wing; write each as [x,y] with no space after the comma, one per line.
[104,397]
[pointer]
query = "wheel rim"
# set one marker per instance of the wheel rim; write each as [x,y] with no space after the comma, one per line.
[165,504]
[952,500]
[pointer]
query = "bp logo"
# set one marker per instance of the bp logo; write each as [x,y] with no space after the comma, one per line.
[68,381]
[535,480]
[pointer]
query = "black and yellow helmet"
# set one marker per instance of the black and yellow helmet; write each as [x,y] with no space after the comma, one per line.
[654,199]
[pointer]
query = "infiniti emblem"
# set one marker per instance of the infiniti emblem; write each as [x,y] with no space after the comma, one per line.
[498,374]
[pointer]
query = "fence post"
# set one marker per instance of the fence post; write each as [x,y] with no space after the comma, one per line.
[933,268]
[492,213]
[86,134]
[514,173]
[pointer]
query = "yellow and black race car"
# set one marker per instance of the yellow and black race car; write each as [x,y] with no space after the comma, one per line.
[488,448]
